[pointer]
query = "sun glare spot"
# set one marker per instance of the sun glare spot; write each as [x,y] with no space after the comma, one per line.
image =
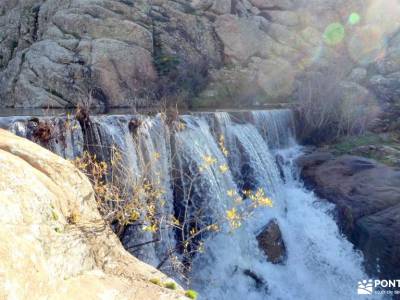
[385,14]
[334,34]
[366,44]
[354,18]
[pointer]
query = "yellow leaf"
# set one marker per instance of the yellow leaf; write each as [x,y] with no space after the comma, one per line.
[231,214]
[156,155]
[231,193]
[223,168]
[150,228]
[209,160]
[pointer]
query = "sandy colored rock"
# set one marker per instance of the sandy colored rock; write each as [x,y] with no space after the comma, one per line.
[58,57]
[45,255]
[275,77]
[242,38]
[56,53]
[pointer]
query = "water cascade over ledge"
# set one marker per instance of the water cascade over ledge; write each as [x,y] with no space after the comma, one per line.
[260,151]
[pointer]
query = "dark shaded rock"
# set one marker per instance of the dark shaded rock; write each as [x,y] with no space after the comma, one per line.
[367,195]
[280,164]
[378,235]
[134,125]
[43,132]
[271,243]
[313,159]
[309,162]
[387,88]
[259,281]
[361,184]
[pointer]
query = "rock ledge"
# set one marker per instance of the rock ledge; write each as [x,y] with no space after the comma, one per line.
[54,244]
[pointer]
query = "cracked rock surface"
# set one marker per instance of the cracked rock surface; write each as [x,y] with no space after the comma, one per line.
[110,53]
[54,243]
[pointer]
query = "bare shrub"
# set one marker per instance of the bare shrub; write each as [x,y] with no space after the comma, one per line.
[121,203]
[125,200]
[328,107]
[42,131]
[358,110]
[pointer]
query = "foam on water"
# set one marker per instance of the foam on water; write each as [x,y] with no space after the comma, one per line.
[320,264]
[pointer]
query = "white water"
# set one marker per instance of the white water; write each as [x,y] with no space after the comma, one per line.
[208,187]
[321,264]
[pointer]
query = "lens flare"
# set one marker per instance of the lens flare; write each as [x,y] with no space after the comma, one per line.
[354,18]
[334,34]
[366,44]
[385,14]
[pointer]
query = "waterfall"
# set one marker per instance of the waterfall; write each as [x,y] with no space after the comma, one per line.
[321,264]
[68,135]
[108,134]
[254,150]
[202,184]
[154,153]
[277,127]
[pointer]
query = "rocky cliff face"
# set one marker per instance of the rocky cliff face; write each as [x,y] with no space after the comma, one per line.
[54,244]
[126,53]
[60,53]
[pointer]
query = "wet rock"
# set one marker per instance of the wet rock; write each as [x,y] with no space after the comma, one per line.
[134,125]
[280,164]
[378,236]
[367,197]
[359,183]
[271,243]
[259,281]
[309,162]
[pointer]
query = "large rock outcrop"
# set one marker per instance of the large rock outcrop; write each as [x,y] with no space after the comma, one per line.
[367,197]
[228,53]
[54,244]
[98,52]
[60,53]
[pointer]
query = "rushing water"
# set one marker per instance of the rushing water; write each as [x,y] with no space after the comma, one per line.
[320,263]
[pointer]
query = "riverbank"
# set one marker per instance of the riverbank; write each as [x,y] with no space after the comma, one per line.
[367,198]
